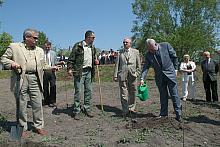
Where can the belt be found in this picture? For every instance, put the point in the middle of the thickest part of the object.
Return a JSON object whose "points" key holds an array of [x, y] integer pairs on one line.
{"points": [[87, 69], [30, 72]]}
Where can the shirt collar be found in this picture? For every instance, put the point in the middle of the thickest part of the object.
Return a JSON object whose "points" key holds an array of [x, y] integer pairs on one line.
{"points": [[85, 44], [127, 49]]}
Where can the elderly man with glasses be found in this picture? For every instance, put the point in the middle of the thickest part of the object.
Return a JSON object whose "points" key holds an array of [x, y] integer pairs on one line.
{"points": [[127, 69], [26, 61]]}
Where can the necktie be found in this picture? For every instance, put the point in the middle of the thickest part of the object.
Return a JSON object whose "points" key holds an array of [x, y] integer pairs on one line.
{"points": [[126, 55], [47, 59], [157, 58], [207, 64]]}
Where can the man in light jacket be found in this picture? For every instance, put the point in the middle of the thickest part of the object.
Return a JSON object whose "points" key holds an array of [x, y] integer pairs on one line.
{"points": [[26, 61], [127, 69]]}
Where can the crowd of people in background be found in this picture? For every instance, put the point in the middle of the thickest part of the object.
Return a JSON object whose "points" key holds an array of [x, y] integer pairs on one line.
{"points": [[107, 57]]}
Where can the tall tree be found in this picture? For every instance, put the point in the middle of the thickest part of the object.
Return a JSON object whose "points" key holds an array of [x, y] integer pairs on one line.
{"points": [[5, 40], [189, 25]]}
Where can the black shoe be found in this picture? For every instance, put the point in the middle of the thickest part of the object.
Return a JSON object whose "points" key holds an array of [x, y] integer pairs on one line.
{"points": [[76, 116], [44, 103], [52, 105], [89, 114], [125, 115], [162, 117], [179, 119]]}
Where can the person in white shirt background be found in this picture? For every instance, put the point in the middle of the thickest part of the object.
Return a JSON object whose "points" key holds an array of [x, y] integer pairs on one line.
{"points": [[187, 68]]}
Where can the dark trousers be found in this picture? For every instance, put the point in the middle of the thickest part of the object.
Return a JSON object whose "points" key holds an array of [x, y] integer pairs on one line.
{"points": [[49, 85], [163, 87], [210, 89]]}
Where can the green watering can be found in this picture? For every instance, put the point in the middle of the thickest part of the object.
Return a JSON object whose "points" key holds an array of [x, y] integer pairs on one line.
{"points": [[143, 92]]}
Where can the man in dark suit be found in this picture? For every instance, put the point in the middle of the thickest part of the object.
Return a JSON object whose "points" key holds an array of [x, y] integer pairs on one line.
{"points": [[210, 69], [49, 77], [162, 57]]}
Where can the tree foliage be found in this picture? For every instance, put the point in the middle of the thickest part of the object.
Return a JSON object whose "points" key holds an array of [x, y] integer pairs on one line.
{"points": [[5, 40], [189, 25], [1, 2], [42, 38]]}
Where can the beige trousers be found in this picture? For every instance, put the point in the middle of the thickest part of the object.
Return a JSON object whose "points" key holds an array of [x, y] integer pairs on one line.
{"points": [[128, 94], [30, 88]]}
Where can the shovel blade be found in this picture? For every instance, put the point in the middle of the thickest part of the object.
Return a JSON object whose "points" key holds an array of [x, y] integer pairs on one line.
{"points": [[15, 133]]}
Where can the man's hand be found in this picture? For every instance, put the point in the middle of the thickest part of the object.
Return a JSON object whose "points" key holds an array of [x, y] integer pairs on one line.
{"points": [[115, 79], [14, 65], [70, 72], [141, 82], [176, 72], [61, 63], [55, 68], [96, 62]]}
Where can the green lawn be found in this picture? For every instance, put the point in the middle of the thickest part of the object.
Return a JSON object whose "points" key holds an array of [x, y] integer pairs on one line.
{"points": [[5, 74], [105, 73]]}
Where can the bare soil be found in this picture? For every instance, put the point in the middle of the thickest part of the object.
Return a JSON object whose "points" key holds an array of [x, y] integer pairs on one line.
{"points": [[200, 126]]}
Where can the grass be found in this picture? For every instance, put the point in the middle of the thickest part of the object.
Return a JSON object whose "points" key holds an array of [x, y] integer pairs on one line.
{"points": [[5, 74], [53, 140], [105, 73]]}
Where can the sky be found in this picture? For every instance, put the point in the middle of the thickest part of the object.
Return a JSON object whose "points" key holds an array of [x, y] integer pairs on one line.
{"points": [[65, 21]]}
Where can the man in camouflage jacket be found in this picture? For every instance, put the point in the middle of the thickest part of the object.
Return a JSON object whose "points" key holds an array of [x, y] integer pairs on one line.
{"points": [[81, 65]]}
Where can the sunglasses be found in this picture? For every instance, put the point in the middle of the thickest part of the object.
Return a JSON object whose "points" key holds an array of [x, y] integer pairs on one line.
{"points": [[35, 38], [91, 37], [125, 42]]}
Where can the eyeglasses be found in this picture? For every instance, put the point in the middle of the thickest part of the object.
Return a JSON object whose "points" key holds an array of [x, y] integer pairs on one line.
{"points": [[125, 42], [91, 37], [36, 38]]}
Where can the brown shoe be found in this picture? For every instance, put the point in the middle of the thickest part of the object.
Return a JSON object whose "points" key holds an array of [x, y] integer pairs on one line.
{"points": [[25, 134], [41, 132]]}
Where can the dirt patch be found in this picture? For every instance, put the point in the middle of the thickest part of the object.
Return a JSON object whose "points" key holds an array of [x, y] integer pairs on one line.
{"points": [[200, 127]]}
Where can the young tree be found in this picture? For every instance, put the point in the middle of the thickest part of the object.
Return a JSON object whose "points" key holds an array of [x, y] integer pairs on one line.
{"points": [[5, 40], [189, 25]]}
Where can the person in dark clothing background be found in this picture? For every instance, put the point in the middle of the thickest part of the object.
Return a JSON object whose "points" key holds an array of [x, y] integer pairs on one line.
{"points": [[210, 69]]}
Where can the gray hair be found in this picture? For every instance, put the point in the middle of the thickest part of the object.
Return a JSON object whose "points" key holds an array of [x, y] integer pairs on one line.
{"points": [[186, 56], [128, 38], [29, 32], [150, 41]]}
